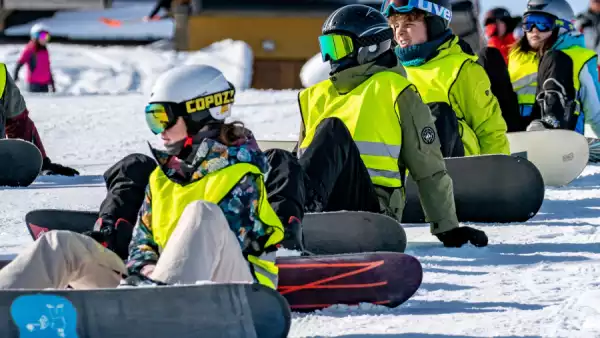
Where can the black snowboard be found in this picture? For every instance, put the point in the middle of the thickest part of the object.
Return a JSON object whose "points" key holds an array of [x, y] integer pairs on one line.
{"points": [[20, 163], [325, 233], [488, 189], [211, 310]]}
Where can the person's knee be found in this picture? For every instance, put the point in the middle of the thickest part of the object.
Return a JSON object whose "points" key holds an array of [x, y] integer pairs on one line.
{"points": [[335, 127], [206, 214], [136, 167], [58, 238], [276, 156]]}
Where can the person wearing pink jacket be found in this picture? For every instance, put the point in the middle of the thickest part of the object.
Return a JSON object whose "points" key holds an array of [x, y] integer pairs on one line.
{"points": [[35, 55]]}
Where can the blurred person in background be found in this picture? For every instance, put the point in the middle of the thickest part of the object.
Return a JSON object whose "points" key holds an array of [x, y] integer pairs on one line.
{"points": [[39, 77]]}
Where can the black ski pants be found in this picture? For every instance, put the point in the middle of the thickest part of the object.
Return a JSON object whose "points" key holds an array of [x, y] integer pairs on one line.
{"points": [[329, 172]]}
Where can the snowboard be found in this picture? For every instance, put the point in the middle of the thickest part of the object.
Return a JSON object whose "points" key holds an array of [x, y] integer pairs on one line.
{"points": [[308, 282], [487, 189], [594, 146], [20, 163], [560, 155], [223, 310], [324, 233]]}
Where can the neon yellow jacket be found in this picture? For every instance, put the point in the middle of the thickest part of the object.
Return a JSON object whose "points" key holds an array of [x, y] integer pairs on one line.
{"points": [[481, 125]]}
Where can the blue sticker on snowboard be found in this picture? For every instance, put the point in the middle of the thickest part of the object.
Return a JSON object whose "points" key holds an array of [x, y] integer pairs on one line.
{"points": [[46, 316]]}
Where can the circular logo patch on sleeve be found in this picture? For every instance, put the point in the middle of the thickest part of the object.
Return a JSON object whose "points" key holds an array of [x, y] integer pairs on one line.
{"points": [[428, 135]]}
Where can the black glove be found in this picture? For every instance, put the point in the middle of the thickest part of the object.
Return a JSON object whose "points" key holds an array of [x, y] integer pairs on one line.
{"points": [[139, 280], [294, 238], [458, 237], [49, 168], [115, 236]]}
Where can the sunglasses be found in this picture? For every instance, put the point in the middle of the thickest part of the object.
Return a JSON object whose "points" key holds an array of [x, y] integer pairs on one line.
{"points": [[43, 36], [388, 7]]}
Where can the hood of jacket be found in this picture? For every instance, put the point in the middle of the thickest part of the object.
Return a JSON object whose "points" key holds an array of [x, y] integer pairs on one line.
{"points": [[568, 40], [348, 79], [207, 155], [452, 46]]}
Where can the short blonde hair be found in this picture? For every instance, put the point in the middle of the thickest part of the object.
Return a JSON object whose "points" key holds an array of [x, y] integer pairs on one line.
{"points": [[406, 17]]}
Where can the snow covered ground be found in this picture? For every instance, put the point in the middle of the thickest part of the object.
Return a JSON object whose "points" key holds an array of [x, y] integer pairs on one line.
{"points": [[535, 279]]}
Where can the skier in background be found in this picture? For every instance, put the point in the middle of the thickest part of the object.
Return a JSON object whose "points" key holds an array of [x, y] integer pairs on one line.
{"points": [[446, 73], [554, 76], [204, 214], [499, 26], [588, 23], [15, 123], [35, 56], [168, 6]]}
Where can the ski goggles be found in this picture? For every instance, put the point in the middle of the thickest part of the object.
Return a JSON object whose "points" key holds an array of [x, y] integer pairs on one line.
{"points": [[545, 23], [335, 46], [42, 36], [388, 7], [161, 116]]}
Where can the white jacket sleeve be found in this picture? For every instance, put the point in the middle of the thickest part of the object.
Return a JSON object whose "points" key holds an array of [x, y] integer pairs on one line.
{"points": [[590, 95]]}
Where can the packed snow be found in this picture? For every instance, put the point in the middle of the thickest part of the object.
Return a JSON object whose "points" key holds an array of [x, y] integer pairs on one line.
{"points": [[536, 279]]}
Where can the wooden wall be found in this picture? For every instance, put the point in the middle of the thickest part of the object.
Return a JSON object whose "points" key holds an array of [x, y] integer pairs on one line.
{"points": [[281, 42]]}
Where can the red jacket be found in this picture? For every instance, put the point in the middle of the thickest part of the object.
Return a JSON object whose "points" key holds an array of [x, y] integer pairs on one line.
{"points": [[503, 44]]}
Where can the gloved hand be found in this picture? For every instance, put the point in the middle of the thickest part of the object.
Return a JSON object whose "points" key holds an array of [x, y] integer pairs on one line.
{"points": [[458, 237], [139, 280], [293, 239], [49, 168], [115, 236]]}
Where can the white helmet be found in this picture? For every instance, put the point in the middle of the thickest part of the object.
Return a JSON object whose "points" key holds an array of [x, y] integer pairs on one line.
{"points": [[198, 93], [37, 28], [560, 9]]}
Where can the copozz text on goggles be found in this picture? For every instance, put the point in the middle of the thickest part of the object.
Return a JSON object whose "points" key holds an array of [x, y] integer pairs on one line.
{"points": [[161, 116]]}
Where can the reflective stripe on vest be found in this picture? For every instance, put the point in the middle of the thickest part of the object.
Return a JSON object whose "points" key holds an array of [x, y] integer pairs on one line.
{"points": [[523, 67], [370, 113], [169, 199]]}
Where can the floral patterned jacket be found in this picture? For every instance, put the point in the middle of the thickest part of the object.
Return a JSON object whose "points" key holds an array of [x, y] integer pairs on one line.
{"points": [[239, 205]]}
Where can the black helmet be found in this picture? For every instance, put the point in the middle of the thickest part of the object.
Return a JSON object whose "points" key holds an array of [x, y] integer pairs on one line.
{"points": [[354, 35], [438, 13], [497, 13]]}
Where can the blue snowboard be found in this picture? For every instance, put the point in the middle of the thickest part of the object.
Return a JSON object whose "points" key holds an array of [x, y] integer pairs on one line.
{"points": [[211, 310]]}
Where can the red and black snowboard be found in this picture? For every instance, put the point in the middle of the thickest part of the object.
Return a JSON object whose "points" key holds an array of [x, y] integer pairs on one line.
{"points": [[309, 282]]}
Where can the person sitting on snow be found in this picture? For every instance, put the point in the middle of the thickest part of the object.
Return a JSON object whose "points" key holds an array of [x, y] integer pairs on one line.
{"points": [[448, 77], [364, 127], [206, 197], [15, 123], [554, 75]]}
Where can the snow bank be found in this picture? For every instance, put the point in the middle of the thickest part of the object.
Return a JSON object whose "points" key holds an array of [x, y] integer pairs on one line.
{"points": [[87, 70], [314, 71], [86, 24], [233, 58]]}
